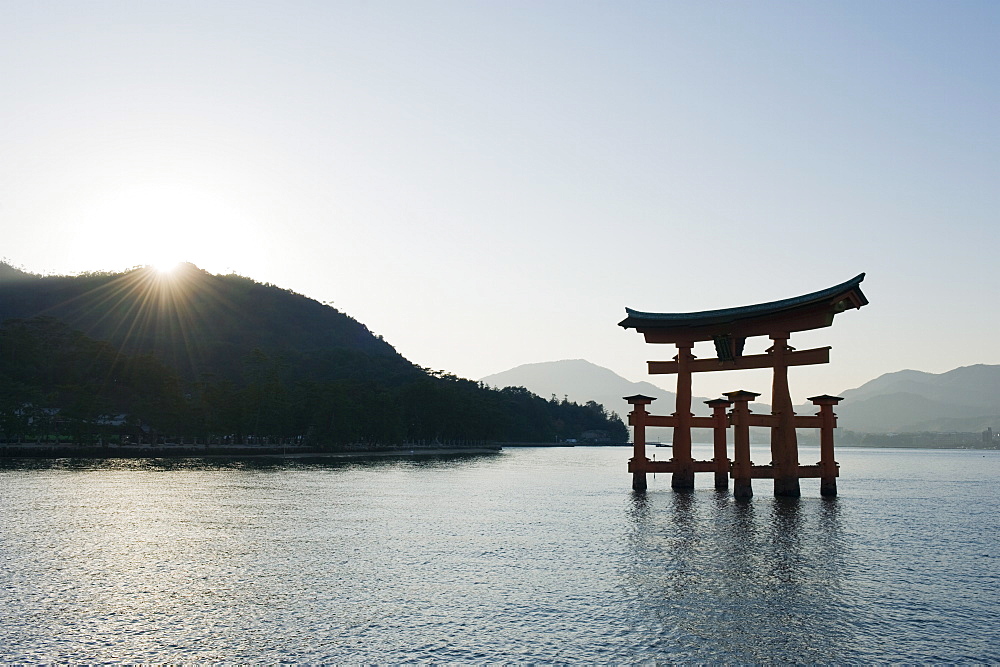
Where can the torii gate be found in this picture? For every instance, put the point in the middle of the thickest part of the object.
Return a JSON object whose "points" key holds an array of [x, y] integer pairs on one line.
{"points": [[729, 328]]}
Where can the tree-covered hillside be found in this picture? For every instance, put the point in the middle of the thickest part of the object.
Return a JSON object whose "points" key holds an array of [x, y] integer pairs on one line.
{"points": [[192, 354], [200, 323]]}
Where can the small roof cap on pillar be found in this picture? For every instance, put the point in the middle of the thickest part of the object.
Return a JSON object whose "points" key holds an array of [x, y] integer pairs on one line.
{"points": [[639, 399], [741, 395], [825, 399], [718, 402]]}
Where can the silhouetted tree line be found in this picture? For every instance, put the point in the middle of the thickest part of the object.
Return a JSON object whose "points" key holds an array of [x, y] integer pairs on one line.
{"points": [[55, 380]]}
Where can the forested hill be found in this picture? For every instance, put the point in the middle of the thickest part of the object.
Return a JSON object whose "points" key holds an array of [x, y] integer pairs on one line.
{"points": [[199, 323], [195, 354]]}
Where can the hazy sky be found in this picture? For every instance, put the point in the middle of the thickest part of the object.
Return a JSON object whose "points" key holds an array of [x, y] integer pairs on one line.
{"points": [[488, 184]]}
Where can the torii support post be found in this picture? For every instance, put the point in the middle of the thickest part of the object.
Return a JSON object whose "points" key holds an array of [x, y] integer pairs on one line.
{"points": [[827, 464], [637, 418], [742, 467], [784, 445], [720, 457], [683, 477]]}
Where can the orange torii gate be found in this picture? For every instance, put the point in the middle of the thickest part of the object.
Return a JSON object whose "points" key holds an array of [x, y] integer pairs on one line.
{"points": [[729, 329]]}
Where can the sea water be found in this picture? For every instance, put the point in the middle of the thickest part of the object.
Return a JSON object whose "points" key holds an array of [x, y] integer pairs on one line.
{"points": [[530, 555]]}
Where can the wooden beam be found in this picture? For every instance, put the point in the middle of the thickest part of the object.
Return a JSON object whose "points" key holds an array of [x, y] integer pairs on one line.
{"points": [[670, 466], [815, 471], [762, 420], [756, 472], [767, 472], [671, 420], [818, 355], [801, 421], [661, 420]]}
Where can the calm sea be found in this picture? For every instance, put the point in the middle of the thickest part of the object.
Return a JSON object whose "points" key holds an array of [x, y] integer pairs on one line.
{"points": [[530, 555]]}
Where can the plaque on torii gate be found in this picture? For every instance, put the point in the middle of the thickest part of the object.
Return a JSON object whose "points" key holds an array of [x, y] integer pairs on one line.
{"points": [[728, 329]]}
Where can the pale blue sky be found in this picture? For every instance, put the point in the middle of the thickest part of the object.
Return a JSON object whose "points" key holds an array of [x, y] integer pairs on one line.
{"points": [[487, 184]]}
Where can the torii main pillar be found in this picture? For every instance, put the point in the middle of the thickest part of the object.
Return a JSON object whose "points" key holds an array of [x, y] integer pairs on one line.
{"points": [[683, 476], [784, 444]]}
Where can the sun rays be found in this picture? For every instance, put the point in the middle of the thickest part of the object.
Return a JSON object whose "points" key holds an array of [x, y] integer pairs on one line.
{"points": [[174, 306]]}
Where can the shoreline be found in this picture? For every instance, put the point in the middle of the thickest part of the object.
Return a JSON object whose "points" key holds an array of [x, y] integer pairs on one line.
{"points": [[50, 452], [34, 451]]}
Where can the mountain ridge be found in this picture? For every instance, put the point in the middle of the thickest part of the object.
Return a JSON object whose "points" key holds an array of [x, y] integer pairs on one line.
{"points": [[961, 399], [578, 380]]}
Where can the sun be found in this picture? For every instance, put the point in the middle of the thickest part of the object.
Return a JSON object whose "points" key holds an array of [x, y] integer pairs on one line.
{"points": [[166, 267], [162, 226]]}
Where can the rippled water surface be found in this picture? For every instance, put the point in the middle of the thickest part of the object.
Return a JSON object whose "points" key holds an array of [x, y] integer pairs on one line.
{"points": [[531, 555]]}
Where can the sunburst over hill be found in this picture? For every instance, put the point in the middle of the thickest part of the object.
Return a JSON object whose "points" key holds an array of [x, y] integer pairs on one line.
{"points": [[188, 352], [198, 322]]}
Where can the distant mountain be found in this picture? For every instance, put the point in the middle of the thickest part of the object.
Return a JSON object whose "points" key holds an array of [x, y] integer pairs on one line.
{"points": [[900, 412], [963, 399], [579, 381], [977, 385]]}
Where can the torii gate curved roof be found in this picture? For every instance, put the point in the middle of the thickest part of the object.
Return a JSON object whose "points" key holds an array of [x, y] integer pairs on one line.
{"points": [[800, 313]]}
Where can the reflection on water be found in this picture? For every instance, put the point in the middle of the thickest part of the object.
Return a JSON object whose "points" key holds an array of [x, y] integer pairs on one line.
{"points": [[532, 555], [757, 581]]}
